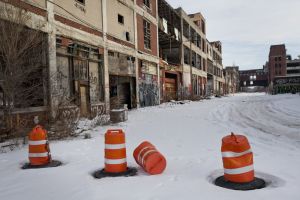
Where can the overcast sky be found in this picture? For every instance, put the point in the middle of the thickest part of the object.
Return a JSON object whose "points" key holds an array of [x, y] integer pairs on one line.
{"points": [[247, 28]]}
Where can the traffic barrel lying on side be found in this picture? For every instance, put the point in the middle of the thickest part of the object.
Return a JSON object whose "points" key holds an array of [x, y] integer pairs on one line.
{"points": [[39, 152], [151, 160], [115, 151], [237, 159]]}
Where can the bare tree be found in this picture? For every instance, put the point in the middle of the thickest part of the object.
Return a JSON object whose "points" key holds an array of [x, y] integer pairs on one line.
{"points": [[22, 63]]}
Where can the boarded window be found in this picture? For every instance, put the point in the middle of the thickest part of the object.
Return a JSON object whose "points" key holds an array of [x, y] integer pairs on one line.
{"points": [[63, 75], [81, 70], [94, 82]]}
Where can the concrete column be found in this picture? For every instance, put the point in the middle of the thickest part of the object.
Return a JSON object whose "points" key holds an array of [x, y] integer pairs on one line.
{"points": [[105, 57], [53, 70], [182, 60], [136, 64], [158, 70]]}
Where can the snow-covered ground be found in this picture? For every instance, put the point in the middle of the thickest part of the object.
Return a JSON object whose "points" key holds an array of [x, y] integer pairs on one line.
{"points": [[189, 136]]}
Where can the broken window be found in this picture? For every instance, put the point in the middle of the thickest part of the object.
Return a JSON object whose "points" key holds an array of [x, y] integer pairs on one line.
{"points": [[198, 43], [186, 30], [204, 64], [147, 35], [193, 36], [186, 55], [193, 59], [198, 61], [195, 84], [85, 68], [120, 19], [147, 3], [81, 1]]}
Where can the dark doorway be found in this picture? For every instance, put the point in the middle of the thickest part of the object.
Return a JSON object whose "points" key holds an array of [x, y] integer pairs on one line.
{"points": [[122, 91]]}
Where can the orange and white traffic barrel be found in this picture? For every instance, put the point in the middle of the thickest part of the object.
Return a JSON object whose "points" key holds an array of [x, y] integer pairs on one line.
{"points": [[39, 152], [149, 158], [115, 151], [237, 159]]}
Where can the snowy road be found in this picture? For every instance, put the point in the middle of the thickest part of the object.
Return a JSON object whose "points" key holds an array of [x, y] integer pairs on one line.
{"points": [[189, 136]]}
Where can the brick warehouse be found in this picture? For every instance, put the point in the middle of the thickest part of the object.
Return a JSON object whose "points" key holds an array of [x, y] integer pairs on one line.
{"points": [[104, 54]]}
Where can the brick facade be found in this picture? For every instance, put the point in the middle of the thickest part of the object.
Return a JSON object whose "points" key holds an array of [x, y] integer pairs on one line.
{"points": [[77, 25], [151, 10], [277, 61], [140, 33]]}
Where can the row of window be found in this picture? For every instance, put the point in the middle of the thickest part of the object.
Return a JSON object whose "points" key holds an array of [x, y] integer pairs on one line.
{"points": [[193, 36], [196, 60], [278, 58], [146, 2]]}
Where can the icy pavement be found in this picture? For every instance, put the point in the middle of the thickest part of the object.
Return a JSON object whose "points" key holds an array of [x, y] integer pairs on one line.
{"points": [[189, 136]]}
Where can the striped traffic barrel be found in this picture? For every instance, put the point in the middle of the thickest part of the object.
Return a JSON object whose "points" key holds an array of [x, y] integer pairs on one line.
{"points": [[237, 159], [149, 158], [115, 151], [39, 152]]}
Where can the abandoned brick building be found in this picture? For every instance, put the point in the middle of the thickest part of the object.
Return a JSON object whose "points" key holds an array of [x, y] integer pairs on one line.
{"points": [[100, 55]]}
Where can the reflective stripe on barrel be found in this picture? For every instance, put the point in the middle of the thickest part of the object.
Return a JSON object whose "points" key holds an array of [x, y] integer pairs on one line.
{"points": [[115, 151], [147, 156], [237, 159], [38, 146]]}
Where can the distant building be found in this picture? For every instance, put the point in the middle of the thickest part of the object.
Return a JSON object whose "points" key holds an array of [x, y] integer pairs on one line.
{"points": [[256, 79], [292, 66], [283, 71], [290, 82], [277, 61]]}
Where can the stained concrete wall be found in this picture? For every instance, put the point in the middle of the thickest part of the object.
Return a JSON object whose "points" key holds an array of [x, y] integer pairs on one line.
{"points": [[116, 29], [88, 13]]}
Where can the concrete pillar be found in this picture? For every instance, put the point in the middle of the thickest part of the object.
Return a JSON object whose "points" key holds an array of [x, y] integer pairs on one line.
{"points": [[53, 70], [136, 64], [182, 60], [105, 57], [158, 69]]}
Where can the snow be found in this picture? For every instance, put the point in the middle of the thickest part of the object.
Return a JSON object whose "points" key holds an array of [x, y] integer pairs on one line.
{"points": [[189, 136]]}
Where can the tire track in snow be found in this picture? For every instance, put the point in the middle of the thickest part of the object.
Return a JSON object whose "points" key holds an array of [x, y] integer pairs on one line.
{"points": [[262, 113]]}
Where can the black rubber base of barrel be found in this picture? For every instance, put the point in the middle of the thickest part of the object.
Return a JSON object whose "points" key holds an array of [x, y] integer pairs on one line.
{"points": [[257, 183], [102, 173], [53, 163]]}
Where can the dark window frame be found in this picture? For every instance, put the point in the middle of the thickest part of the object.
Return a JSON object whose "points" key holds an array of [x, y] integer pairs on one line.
{"points": [[147, 34], [147, 3], [81, 1], [121, 19]]}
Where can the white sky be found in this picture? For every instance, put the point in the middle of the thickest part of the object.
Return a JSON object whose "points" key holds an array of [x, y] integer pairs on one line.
{"points": [[248, 28]]}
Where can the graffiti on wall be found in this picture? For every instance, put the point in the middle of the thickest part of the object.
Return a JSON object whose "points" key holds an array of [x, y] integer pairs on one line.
{"points": [[148, 91], [287, 80]]}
